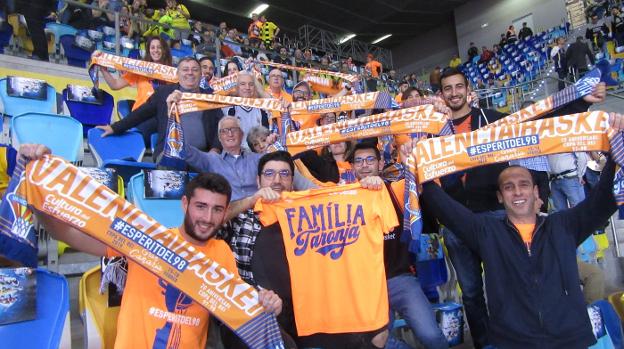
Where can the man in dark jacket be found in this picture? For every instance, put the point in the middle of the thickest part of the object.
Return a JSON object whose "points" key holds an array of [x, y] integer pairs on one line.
{"points": [[476, 190], [200, 128], [575, 57], [532, 279], [525, 32], [35, 13]]}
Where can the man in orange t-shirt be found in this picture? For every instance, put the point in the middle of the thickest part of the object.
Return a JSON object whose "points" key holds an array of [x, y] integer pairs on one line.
{"points": [[155, 314], [254, 30], [276, 85], [374, 69]]}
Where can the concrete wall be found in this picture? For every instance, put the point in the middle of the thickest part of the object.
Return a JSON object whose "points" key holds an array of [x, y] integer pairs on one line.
{"points": [[499, 15], [435, 47]]}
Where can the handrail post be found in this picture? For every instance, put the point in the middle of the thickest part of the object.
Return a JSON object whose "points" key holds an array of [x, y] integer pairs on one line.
{"points": [[117, 34], [217, 62]]}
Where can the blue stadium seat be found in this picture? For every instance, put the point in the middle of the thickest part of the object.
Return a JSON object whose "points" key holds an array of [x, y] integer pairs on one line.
{"points": [[120, 152], [62, 134], [6, 32], [166, 212], [50, 329], [75, 55], [15, 105], [91, 114], [124, 107], [59, 30]]}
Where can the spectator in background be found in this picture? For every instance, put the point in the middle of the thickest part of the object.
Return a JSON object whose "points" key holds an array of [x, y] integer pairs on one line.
{"points": [[207, 71], [209, 42], [373, 70], [101, 18], [486, 55], [455, 61], [157, 52], [576, 57], [35, 14], [617, 26], [503, 40], [411, 93], [223, 31], [276, 85], [558, 55], [231, 41], [196, 35], [525, 32], [473, 52], [283, 57], [597, 33], [254, 30], [248, 116], [232, 67], [403, 86], [434, 79], [268, 32], [256, 139], [176, 16], [511, 35], [351, 65]]}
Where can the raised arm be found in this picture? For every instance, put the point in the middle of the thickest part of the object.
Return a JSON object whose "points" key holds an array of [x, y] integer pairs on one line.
{"points": [[57, 228]]}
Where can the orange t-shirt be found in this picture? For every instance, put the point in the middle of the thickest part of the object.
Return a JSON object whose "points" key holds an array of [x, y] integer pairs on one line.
{"points": [[334, 245], [398, 98], [254, 29], [282, 94], [464, 126], [156, 315], [526, 233], [374, 67], [345, 172], [143, 85], [306, 120]]}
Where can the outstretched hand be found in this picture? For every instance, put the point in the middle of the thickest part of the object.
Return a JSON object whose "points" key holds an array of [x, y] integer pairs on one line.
{"points": [[33, 151]]}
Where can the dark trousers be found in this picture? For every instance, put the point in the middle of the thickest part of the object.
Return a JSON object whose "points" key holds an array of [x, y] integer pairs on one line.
{"points": [[36, 26], [563, 74]]}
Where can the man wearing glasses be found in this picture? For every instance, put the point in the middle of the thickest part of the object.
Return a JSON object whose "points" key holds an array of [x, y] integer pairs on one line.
{"points": [[276, 85], [238, 165], [404, 292]]}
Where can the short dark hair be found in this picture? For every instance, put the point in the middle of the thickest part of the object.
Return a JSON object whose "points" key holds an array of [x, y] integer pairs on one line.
{"points": [[213, 182], [407, 92], [448, 72], [498, 180], [365, 145], [205, 58], [279, 155], [189, 59]]}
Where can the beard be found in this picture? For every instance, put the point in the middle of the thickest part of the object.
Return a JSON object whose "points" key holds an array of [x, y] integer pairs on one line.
{"points": [[189, 228]]}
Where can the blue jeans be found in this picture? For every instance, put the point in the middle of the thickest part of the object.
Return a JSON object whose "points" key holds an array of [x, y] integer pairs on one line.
{"points": [[467, 264], [408, 299], [566, 192]]}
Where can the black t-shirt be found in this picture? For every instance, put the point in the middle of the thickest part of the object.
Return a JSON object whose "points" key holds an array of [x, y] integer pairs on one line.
{"points": [[396, 255]]}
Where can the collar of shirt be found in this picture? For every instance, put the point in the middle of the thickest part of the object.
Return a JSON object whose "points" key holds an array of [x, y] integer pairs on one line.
{"points": [[224, 154]]}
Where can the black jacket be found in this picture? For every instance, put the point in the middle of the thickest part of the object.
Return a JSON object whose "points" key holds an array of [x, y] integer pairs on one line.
{"points": [[478, 191], [576, 53], [534, 301], [156, 107]]}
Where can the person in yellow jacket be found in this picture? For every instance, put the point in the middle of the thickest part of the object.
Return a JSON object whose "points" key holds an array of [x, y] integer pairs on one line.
{"points": [[174, 21]]}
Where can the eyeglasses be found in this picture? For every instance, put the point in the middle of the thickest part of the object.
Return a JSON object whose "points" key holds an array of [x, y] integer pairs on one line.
{"points": [[369, 160], [229, 130], [300, 92], [284, 174]]}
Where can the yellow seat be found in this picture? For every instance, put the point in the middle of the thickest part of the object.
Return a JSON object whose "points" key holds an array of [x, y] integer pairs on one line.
{"points": [[617, 301], [100, 320], [21, 33]]}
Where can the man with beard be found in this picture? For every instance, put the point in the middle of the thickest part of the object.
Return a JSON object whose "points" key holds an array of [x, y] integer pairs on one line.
{"points": [[155, 314], [207, 73]]}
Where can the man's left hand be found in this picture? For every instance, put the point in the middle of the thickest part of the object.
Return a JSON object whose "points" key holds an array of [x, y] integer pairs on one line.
{"points": [[372, 182], [271, 302], [598, 95], [616, 121]]}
